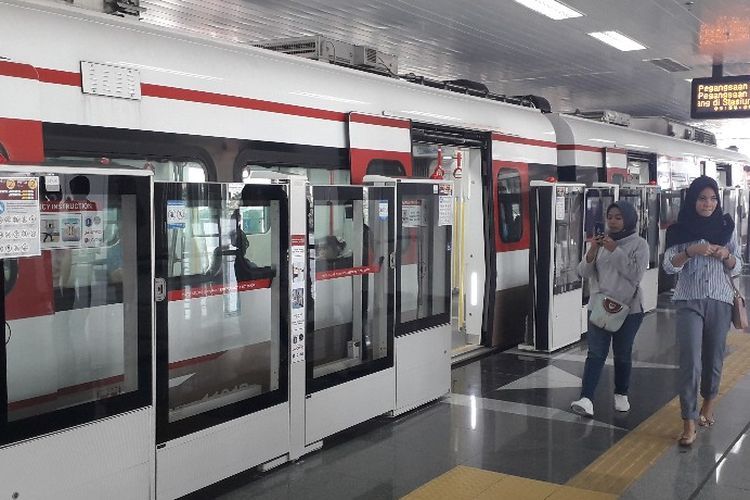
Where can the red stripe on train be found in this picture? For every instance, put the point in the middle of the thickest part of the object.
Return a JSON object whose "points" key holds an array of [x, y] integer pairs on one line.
{"points": [[579, 147], [64, 391], [196, 360], [151, 90], [211, 290], [523, 140], [379, 120], [343, 273]]}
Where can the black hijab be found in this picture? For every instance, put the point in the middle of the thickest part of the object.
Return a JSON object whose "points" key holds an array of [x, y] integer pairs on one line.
{"points": [[629, 219], [717, 228]]}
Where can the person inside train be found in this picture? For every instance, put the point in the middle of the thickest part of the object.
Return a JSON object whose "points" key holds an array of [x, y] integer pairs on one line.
{"points": [[243, 266], [614, 265], [330, 248], [702, 250]]}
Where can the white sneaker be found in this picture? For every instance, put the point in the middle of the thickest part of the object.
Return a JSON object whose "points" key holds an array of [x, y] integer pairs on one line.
{"points": [[583, 406], [621, 402]]}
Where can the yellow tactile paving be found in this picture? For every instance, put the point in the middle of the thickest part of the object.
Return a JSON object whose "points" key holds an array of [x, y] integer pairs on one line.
{"points": [[608, 476], [630, 457], [469, 483], [519, 488]]}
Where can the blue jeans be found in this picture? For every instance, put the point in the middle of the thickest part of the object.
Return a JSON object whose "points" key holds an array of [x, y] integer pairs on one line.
{"points": [[622, 346]]}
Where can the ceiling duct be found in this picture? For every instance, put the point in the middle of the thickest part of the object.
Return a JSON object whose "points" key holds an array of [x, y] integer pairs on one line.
{"points": [[669, 65]]}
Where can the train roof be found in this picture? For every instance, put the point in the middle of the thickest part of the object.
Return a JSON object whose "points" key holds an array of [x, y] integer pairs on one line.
{"points": [[578, 131], [167, 58]]}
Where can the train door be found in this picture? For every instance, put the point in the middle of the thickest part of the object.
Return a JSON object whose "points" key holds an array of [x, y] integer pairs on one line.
{"points": [[463, 157], [76, 399], [349, 342], [556, 250], [596, 201], [645, 198], [222, 331]]}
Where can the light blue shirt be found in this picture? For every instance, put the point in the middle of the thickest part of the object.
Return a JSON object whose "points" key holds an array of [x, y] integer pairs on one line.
{"points": [[703, 277]]}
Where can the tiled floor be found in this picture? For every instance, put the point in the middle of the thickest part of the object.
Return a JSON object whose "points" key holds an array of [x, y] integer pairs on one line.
{"points": [[509, 414]]}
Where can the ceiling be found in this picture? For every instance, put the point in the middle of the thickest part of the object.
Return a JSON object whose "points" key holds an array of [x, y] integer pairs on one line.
{"points": [[511, 49]]}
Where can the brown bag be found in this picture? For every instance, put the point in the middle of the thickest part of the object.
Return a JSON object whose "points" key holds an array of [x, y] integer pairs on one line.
{"points": [[739, 311]]}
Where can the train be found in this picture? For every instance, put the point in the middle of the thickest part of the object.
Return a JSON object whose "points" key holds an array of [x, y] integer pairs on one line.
{"points": [[85, 88]]}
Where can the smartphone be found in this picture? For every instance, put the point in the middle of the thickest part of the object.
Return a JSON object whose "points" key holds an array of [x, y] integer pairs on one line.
{"points": [[598, 229]]}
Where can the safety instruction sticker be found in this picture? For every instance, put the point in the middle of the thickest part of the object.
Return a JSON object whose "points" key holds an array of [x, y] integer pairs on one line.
{"points": [[411, 213], [560, 204], [71, 224], [176, 214], [19, 217], [383, 210], [298, 243], [445, 205]]}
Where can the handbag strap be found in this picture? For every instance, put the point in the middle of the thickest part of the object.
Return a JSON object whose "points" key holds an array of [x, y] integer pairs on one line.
{"points": [[734, 287]]}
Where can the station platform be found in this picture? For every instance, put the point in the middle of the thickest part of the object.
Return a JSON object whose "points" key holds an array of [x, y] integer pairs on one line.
{"points": [[506, 431]]}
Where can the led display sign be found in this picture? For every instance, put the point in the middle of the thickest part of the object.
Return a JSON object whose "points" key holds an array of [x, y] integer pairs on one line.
{"points": [[724, 97]]}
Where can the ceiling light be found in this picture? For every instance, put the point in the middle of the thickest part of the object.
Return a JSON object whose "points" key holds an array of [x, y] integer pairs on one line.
{"points": [[617, 40], [551, 8]]}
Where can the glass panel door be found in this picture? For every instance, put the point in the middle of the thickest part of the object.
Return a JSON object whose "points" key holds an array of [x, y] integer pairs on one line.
{"points": [[77, 318], [221, 331], [350, 316], [568, 238], [424, 256]]}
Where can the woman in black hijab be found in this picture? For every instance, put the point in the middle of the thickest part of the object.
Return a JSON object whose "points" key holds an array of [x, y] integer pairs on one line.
{"points": [[702, 249]]}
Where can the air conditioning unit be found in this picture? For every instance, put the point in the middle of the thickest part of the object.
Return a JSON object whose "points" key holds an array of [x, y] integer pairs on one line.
{"points": [[120, 8], [607, 116], [673, 128], [373, 58], [315, 47], [322, 48]]}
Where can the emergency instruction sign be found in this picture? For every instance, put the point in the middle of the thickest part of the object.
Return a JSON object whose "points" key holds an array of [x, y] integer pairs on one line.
{"points": [[19, 217], [71, 224]]}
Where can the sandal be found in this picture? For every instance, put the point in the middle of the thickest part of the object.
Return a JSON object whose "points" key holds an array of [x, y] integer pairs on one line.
{"points": [[688, 440], [705, 421]]}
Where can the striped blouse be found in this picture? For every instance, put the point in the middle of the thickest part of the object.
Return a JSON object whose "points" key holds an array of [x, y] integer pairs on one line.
{"points": [[703, 277]]}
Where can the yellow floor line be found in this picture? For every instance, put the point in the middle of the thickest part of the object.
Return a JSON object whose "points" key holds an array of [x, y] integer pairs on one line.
{"points": [[470, 483], [615, 470]]}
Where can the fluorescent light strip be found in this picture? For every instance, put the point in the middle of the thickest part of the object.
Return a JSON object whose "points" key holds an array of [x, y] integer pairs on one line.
{"points": [[617, 40], [550, 8]]}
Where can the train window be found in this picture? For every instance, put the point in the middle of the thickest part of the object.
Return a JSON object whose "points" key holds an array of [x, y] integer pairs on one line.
{"points": [[167, 170], [78, 313], [509, 205], [390, 168], [10, 273], [597, 202], [315, 175], [671, 200], [618, 179]]}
